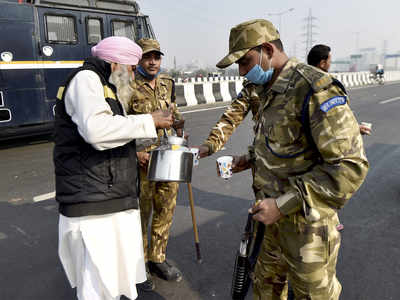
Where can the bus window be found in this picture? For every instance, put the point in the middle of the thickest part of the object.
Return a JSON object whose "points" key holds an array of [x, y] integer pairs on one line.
{"points": [[60, 29], [123, 28], [5, 115], [94, 29]]}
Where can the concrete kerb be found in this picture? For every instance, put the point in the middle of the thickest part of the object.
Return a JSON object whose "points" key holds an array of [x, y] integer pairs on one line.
{"points": [[225, 89], [224, 86], [208, 94]]}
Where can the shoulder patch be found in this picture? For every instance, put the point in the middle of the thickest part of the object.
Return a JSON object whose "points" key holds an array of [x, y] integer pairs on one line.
{"points": [[332, 102]]}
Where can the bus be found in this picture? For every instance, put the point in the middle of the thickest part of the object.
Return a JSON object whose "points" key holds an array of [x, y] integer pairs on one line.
{"points": [[41, 42]]}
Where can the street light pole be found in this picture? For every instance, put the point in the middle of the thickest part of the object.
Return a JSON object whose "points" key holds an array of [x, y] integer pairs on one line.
{"points": [[280, 14]]}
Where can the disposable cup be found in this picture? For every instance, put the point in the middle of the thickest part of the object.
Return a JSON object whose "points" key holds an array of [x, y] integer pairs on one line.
{"points": [[369, 125], [195, 152], [225, 166]]}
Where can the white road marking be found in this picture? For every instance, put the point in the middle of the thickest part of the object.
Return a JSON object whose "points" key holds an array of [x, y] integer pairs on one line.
{"points": [[203, 109], [390, 100], [44, 197]]}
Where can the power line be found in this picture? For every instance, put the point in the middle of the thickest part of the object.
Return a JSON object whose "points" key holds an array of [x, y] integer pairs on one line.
{"points": [[309, 32]]}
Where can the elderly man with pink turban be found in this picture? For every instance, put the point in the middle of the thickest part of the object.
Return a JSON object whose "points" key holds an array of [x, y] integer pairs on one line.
{"points": [[96, 174]]}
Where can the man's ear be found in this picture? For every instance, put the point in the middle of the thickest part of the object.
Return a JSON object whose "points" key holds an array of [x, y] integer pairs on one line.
{"points": [[268, 49], [322, 64]]}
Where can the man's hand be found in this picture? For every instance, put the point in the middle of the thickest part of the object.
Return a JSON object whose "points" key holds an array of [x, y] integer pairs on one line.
{"points": [[203, 151], [178, 124], [266, 211], [162, 118], [240, 163], [143, 159], [365, 130]]}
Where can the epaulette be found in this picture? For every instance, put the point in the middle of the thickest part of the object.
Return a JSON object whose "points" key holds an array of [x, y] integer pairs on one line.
{"points": [[318, 79], [165, 76]]}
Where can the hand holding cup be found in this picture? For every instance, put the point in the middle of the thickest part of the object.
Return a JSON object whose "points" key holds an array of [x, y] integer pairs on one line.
{"points": [[365, 128], [224, 166]]}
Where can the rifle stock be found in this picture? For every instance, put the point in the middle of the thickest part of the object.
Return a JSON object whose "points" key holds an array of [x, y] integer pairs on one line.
{"points": [[246, 258]]}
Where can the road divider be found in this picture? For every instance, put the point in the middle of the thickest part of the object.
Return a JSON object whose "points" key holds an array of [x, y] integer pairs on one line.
{"points": [[195, 91]]}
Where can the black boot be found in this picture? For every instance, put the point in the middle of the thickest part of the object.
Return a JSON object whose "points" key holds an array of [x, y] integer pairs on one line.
{"points": [[165, 271], [148, 285]]}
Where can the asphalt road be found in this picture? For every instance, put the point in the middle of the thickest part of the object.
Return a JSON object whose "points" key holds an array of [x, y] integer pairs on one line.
{"points": [[368, 267]]}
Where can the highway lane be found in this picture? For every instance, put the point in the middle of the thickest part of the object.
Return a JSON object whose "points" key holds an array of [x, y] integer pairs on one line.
{"points": [[368, 265]]}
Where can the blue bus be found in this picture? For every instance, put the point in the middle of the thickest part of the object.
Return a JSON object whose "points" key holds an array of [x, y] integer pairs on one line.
{"points": [[41, 42]]}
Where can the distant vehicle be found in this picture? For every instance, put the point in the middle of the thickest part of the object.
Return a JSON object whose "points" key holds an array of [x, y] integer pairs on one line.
{"points": [[41, 42], [377, 73], [214, 74]]}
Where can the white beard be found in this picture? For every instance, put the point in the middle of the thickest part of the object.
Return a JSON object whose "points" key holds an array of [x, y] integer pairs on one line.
{"points": [[121, 78]]}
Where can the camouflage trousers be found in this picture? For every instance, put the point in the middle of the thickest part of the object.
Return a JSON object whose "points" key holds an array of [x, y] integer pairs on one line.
{"points": [[157, 199], [304, 254]]}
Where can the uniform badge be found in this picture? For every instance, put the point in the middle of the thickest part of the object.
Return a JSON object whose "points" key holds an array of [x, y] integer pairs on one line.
{"points": [[332, 102]]}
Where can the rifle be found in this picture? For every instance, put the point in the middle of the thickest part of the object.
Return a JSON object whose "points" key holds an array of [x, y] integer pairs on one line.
{"points": [[246, 258]]}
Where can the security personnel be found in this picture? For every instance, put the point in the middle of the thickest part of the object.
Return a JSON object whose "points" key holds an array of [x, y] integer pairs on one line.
{"points": [[320, 57], [308, 159], [152, 91]]}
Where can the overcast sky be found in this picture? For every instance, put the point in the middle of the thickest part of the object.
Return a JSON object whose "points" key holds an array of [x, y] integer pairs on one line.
{"points": [[199, 29]]}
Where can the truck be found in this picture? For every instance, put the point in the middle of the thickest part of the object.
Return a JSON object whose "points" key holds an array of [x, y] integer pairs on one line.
{"points": [[41, 42]]}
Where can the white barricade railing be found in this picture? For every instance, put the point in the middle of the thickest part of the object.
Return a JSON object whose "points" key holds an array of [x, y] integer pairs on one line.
{"points": [[349, 79], [208, 94], [188, 89], [226, 97]]}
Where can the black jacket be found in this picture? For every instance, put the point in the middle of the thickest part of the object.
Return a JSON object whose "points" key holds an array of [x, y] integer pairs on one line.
{"points": [[89, 181]]}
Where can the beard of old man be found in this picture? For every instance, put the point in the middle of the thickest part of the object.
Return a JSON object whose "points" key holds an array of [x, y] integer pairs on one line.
{"points": [[122, 78]]}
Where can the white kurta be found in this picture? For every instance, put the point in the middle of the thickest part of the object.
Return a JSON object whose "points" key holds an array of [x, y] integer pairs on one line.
{"points": [[102, 255], [109, 247]]}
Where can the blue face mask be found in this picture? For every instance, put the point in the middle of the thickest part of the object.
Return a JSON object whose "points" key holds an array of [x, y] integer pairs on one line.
{"points": [[257, 75], [145, 74]]}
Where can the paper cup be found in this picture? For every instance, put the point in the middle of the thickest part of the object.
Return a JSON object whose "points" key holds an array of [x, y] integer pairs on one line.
{"points": [[225, 166], [195, 152], [369, 125]]}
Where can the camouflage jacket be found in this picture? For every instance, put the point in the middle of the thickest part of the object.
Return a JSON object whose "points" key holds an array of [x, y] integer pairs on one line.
{"points": [[146, 100], [319, 178], [246, 100]]}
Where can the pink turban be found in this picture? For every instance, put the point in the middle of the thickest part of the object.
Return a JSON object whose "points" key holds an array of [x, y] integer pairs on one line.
{"points": [[118, 49]]}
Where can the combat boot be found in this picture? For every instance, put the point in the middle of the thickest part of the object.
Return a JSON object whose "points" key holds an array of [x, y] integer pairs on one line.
{"points": [[148, 285], [165, 271]]}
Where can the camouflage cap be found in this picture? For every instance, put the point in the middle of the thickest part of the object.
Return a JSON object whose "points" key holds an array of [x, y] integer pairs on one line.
{"points": [[149, 45], [245, 36]]}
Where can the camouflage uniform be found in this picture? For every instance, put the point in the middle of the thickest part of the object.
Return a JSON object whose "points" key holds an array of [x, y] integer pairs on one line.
{"points": [[158, 198], [310, 177], [247, 100]]}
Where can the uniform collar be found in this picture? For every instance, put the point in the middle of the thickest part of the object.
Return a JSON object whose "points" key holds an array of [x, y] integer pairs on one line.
{"points": [[282, 82], [141, 80]]}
